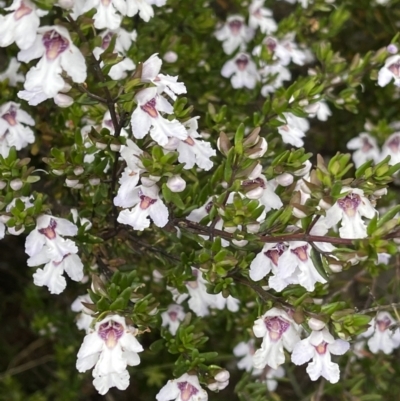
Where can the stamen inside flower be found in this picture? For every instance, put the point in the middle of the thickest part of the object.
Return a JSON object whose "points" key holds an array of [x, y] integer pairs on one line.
{"points": [[275, 253], [366, 145], [187, 390], [242, 62], [270, 44], [383, 324], [349, 204], [235, 26], [150, 108], [55, 44], [50, 231], [105, 3], [394, 144], [189, 140], [111, 332], [22, 10], [395, 69], [10, 116], [301, 252], [146, 201], [173, 315], [321, 348], [106, 40], [276, 327]]}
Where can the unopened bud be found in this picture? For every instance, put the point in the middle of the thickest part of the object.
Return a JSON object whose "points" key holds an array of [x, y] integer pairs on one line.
{"points": [[392, 49], [324, 205], [256, 172], [253, 228], [16, 184], [240, 243], [298, 213], [213, 386], [57, 172], [335, 268], [16, 230], [176, 183], [222, 376], [101, 145], [316, 324], [230, 230], [63, 100], [78, 170], [94, 181], [312, 108], [255, 193], [170, 57], [115, 147], [3, 184], [66, 4], [284, 179], [262, 147], [71, 183]]}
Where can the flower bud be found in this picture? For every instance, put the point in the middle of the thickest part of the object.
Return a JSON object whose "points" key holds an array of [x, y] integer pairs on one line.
{"points": [[213, 386], [303, 171], [255, 193], [57, 172], [16, 184], [253, 228], [336, 268], [16, 230], [3, 184], [115, 147], [63, 100], [298, 213], [94, 181], [230, 230], [101, 145], [78, 170], [240, 243], [170, 57], [71, 183], [392, 49], [176, 183], [284, 179], [222, 376], [4, 218], [256, 172], [316, 324], [312, 108], [66, 4], [262, 147]]}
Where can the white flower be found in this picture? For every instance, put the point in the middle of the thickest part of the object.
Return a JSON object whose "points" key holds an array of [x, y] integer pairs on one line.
{"points": [[383, 338], [47, 238], [146, 203], [192, 150], [221, 381], [51, 275], [110, 348], [349, 210], [172, 318], [261, 17], [131, 174], [242, 70], [164, 83], [294, 130], [278, 331], [246, 350], [143, 7], [234, 34], [273, 75], [147, 115], [319, 109], [319, 346], [391, 148], [11, 73], [53, 44], [296, 267], [13, 129], [122, 45], [185, 388], [285, 50], [391, 70], [20, 25], [266, 261], [271, 375], [365, 147], [84, 319]]}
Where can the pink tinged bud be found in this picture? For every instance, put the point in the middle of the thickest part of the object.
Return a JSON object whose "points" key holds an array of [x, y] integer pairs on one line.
{"points": [[176, 183], [55, 44], [349, 204], [2, 184], [22, 11], [316, 324], [321, 348], [392, 49], [276, 327], [150, 108], [110, 333], [63, 100], [383, 324], [235, 26], [301, 252], [187, 390], [16, 184], [284, 179], [242, 61], [50, 230]]}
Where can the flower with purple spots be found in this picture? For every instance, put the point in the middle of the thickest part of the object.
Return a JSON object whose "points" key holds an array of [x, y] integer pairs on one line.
{"points": [[172, 318], [278, 331], [109, 348], [242, 71], [390, 71], [185, 388], [44, 81]]}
